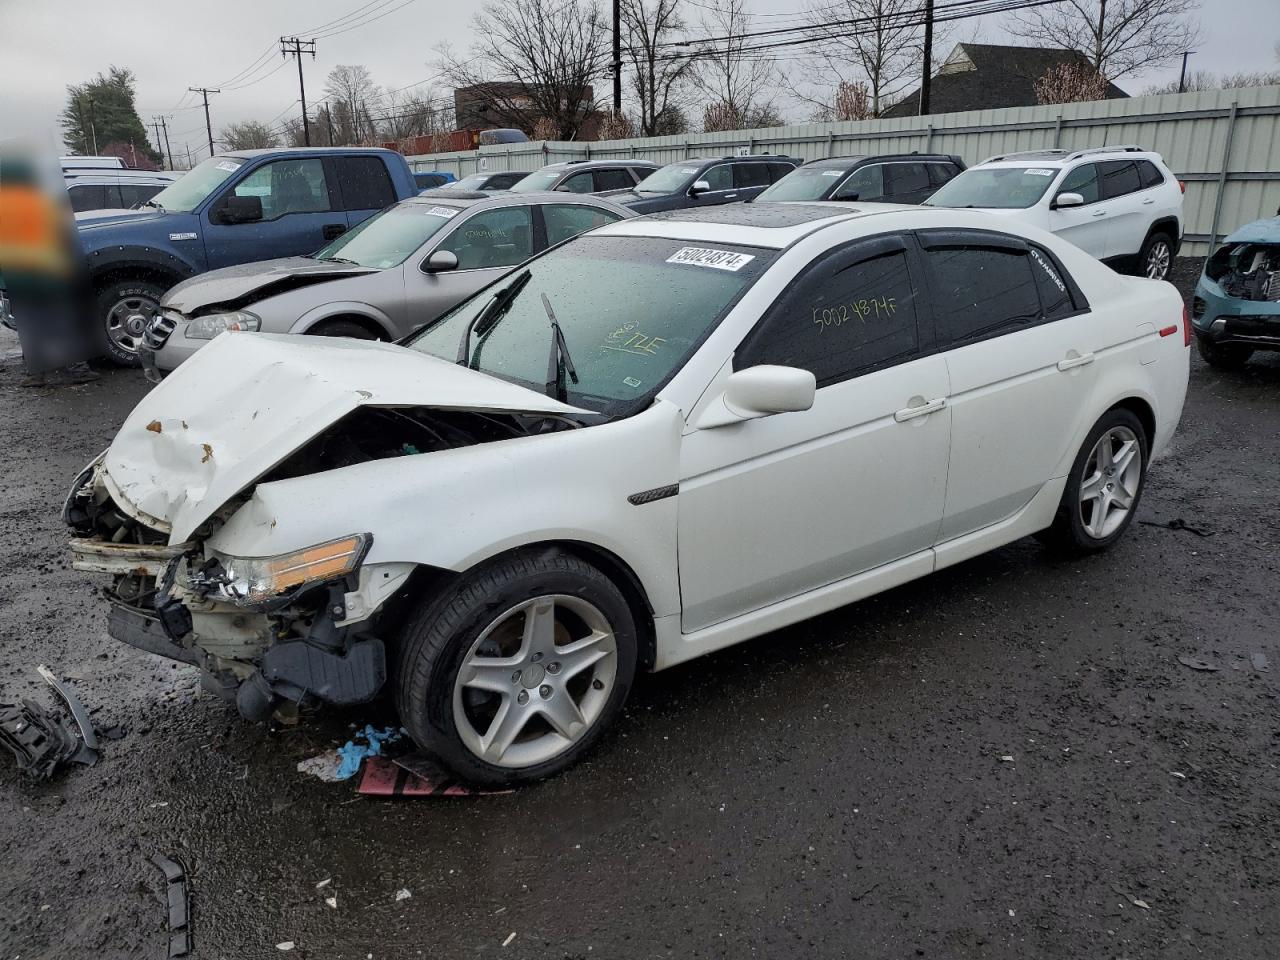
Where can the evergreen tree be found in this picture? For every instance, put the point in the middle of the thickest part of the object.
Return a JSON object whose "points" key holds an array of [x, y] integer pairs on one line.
{"points": [[101, 113]]}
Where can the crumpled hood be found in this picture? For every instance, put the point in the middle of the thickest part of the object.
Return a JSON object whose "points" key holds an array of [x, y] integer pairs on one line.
{"points": [[246, 283], [247, 401], [1260, 231]]}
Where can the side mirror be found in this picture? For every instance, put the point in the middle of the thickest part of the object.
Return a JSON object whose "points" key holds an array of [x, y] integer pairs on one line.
{"points": [[240, 209], [440, 261], [700, 186], [1068, 200], [760, 392]]}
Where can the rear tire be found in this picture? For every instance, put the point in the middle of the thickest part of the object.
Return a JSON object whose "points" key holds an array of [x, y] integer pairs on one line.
{"points": [[124, 308], [1155, 261], [1104, 486], [517, 670], [1225, 356], [343, 328]]}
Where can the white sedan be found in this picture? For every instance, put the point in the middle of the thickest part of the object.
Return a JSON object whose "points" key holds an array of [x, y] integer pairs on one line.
{"points": [[659, 439]]}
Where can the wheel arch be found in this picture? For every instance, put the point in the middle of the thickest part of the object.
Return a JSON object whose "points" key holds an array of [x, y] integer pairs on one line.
{"points": [[164, 275], [1168, 226], [1141, 409], [372, 319]]}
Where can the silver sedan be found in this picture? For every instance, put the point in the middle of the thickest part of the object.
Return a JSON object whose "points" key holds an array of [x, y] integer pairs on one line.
{"points": [[398, 270]]}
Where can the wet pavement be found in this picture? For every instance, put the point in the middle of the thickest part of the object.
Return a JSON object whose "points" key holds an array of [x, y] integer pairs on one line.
{"points": [[1006, 759]]}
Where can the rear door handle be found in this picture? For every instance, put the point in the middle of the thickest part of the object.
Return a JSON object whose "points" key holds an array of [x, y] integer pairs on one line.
{"points": [[1079, 360], [1148, 201], [331, 231], [923, 409]]}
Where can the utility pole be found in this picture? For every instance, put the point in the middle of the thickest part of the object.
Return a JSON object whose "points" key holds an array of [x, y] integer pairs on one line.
{"points": [[190, 164], [167, 149], [296, 47], [617, 57], [927, 76], [93, 129], [208, 127], [162, 143], [1182, 80]]}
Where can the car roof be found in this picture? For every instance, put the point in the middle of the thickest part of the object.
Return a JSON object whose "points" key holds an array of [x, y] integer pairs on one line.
{"points": [[1059, 157], [592, 164], [466, 199], [251, 154], [757, 225]]}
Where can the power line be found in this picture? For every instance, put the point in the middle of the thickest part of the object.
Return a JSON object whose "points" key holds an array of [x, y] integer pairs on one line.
{"points": [[362, 23]]}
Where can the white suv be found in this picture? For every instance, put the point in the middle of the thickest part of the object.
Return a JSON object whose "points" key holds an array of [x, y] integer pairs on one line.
{"points": [[1121, 204]]}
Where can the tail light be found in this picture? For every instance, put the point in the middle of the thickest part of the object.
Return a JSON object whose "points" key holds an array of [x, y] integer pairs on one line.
{"points": [[1182, 185]]}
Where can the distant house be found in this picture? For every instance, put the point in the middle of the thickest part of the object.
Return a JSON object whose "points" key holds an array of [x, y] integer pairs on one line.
{"points": [[504, 104], [987, 76]]}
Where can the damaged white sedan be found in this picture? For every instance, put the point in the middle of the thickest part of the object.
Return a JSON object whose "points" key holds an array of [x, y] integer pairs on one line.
{"points": [[656, 440]]}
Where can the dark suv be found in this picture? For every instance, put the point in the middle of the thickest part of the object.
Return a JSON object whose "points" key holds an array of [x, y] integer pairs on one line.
{"points": [[892, 178], [707, 181], [586, 176]]}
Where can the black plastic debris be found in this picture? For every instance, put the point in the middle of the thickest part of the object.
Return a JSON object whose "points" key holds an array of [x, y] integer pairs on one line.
{"points": [[41, 738], [175, 876], [1195, 663], [1177, 523]]}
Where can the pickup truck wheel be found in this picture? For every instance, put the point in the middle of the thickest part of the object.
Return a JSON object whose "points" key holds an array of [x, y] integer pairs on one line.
{"points": [[518, 669], [1104, 486], [343, 328], [1228, 356], [126, 307]]}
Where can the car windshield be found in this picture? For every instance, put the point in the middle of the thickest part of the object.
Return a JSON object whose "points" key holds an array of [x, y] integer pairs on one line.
{"points": [[632, 310], [804, 183], [388, 238], [187, 193], [538, 180], [1002, 188], [668, 179], [471, 183]]}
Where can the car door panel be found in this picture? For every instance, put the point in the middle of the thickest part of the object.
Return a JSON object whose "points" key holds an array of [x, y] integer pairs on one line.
{"points": [[1087, 226], [1130, 217]]}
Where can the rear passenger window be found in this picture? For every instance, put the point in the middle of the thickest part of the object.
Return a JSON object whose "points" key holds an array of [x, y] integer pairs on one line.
{"points": [[1149, 174], [1055, 297], [1119, 177], [907, 179], [88, 196], [132, 194], [614, 179], [750, 175], [981, 292], [850, 313], [565, 220], [365, 183]]}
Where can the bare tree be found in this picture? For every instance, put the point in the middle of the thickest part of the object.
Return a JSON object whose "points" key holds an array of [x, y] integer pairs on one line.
{"points": [[852, 102], [739, 83], [1199, 80], [351, 95], [534, 59], [414, 115], [249, 135], [660, 75], [615, 126], [1120, 37], [1070, 83]]}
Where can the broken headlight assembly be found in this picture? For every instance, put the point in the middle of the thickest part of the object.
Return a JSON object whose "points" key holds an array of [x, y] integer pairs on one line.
{"points": [[255, 580], [208, 327]]}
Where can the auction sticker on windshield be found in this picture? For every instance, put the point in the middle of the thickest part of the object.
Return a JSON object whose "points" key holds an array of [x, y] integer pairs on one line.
{"points": [[228, 165], [445, 212], [707, 257], [1040, 172]]}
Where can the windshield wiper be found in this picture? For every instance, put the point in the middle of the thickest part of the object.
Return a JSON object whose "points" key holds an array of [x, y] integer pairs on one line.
{"points": [[486, 318], [559, 360], [336, 260]]}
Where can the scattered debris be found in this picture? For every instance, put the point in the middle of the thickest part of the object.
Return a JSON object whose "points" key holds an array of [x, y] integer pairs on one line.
{"points": [[324, 883], [175, 876], [344, 762], [324, 766], [1177, 524], [1259, 661], [1180, 776], [1007, 758], [332, 902], [402, 894], [511, 936], [864, 893], [413, 775], [1195, 663], [285, 946], [41, 738], [1141, 904]]}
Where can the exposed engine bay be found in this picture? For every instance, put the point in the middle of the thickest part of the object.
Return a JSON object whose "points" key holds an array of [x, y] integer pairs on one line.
{"points": [[1247, 271]]}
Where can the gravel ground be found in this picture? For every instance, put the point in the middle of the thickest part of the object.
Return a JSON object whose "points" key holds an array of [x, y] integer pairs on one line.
{"points": [[839, 788]]}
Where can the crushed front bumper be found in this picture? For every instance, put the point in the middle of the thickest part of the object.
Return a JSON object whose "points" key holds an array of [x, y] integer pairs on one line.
{"points": [[1223, 319]]}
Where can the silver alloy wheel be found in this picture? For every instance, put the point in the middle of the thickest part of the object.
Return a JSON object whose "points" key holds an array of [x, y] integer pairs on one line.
{"points": [[128, 319], [1110, 483], [1159, 258], [535, 681]]}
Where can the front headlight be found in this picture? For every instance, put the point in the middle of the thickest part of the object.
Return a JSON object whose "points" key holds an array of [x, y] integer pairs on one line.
{"points": [[255, 579], [206, 328]]}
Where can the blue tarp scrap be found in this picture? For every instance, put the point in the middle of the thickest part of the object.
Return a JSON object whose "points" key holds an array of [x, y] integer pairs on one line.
{"points": [[352, 754]]}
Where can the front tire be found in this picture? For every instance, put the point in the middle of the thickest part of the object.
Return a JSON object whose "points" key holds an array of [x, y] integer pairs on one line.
{"points": [[1156, 258], [1104, 486], [343, 328], [517, 671], [125, 308], [1228, 356]]}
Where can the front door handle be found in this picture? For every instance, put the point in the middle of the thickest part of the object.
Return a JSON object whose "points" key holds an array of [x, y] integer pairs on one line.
{"points": [[1078, 360], [730, 196], [1099, 213], [921, 409], [331, 231]]}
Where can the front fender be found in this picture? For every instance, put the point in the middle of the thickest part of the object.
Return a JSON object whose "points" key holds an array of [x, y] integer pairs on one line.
{"points": [[345, 308], [142, 259], [456, 508]]}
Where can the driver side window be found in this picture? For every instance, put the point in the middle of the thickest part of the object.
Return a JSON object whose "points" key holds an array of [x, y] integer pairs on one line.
{"points": [[865, 183], [287, 186], [719, 177], [1082, 180], [494, 238]]}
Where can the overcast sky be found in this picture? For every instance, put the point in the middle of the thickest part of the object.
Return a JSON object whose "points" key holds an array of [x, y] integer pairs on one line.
{"points": [[173, 45]]}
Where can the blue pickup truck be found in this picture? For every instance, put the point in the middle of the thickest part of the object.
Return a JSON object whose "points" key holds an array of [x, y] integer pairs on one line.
{"points": [[230, 209]]}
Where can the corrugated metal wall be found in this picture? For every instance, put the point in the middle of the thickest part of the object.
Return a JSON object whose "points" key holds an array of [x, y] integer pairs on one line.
{"points": [[1225, 144]]}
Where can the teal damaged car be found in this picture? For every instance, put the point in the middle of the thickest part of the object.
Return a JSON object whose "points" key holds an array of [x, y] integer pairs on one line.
{"points": [[1236, 309]]}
